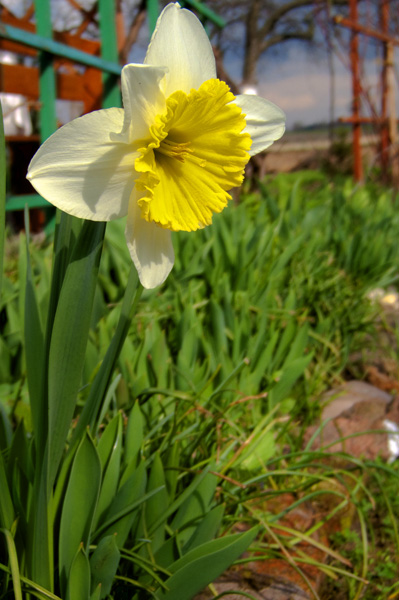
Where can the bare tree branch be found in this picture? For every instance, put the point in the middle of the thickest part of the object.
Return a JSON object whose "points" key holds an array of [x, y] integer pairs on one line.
{"points": [[268, 23]]}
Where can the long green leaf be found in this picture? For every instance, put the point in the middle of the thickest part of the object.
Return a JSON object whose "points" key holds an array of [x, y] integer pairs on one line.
{"points": [[180, 500], [206, 529], [130, 492], [195, 507], [204, 564], [96, 595], [6, 431], [102, 379], [104, 564], [109, 524], [40, 541], [157, 505], [13, 559], [7, 515], [69, 337], [111, 473], [134, 435], [66, 234], [79, 505], [78, 586], [34, 351]]}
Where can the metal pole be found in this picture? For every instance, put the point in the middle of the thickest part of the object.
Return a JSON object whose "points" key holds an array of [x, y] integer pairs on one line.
{"points": [[356, 90], [384, 16], [393, 127]]}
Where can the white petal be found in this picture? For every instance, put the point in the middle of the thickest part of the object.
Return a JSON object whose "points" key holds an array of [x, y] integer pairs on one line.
{"points": [[265, 121], [81, 171], [150, 247], [181, 44], [143, 99]]}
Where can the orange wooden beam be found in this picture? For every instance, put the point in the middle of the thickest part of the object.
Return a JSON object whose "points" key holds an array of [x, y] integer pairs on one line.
{"points": [[86, 87], [355, 26], [18, 79]]}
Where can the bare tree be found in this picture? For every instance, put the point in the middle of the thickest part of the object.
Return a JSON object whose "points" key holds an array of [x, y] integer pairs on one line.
{"points": [[256, 26]]}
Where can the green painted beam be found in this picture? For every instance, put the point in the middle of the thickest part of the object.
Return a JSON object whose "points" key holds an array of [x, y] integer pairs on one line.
{"points": [[109, 51], [56, 48], [32, 200]]}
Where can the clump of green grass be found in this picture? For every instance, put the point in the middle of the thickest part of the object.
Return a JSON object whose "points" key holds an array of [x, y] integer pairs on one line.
{"points": [[259, 315], [372, 549], [275, 293]]}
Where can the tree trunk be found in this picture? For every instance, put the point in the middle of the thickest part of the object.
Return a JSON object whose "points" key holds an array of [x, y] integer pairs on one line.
{"points": [[251, 44]]}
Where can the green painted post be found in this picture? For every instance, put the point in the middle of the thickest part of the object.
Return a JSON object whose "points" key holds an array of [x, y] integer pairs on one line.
{"points": [[153, 14], [47, 85], [109, 51]]}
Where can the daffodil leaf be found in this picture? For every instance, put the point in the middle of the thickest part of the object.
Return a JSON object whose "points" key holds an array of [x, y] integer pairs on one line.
{"points": [[79, 505], [195, 507], [34, 351], [104, 564], [69, 337], [157, 505], [124, 507], [6, 506], [198, 568], [100, 384], [66, 234], [111, 471], [78, 587]]}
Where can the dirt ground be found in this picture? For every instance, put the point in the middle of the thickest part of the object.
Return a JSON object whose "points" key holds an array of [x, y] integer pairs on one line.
{"points": [[297, 151]]}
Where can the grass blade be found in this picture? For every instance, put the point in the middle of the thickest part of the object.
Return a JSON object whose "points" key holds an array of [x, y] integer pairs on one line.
{"points": [[13, 558], [2, 195]]}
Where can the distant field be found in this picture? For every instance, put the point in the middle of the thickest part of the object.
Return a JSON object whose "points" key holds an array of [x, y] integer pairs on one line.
{"points": [[299, 149]]}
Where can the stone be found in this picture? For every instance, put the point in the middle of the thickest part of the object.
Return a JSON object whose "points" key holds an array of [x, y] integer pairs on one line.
{"points": [[350, 410]]}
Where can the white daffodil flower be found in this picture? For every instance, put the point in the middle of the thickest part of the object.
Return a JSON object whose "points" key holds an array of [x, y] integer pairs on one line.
{"points": [[168, 159]]}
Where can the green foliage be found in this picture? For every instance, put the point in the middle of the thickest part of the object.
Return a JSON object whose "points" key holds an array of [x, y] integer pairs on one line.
{"points": [[375, 551], [128, 446], [339, 160]]}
